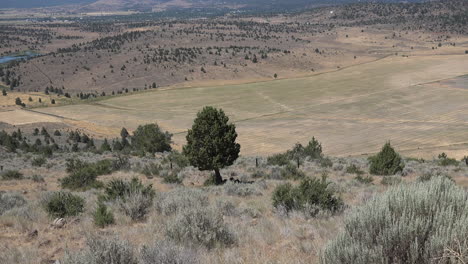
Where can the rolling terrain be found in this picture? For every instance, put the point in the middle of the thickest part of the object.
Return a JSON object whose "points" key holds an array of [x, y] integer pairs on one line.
{"points": [[352, 110]]}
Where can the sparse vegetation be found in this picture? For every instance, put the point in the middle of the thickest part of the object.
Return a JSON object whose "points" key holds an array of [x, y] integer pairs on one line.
{"points": [[408, 222]]}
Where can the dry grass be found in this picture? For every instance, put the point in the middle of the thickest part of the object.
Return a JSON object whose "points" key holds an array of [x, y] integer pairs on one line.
{"points": [[353, 111]]}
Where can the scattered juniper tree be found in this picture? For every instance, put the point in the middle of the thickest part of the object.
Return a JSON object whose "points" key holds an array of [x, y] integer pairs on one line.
{"points": [[211, 143]]}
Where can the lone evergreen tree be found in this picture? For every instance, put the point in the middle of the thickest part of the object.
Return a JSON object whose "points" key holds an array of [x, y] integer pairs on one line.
{"points": [[211, 143], [386, 162]]}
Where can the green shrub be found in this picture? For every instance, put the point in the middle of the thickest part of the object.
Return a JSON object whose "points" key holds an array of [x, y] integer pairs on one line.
{"points": [[150, 138], [391, 180], [133, 198], [135, 204], [429, 176], [84, 175], [102, 216], [63, 204], [12, 175], [353, 169], [325, 162], [284, 196], [312, 195], [411, 223], [37, 178], [200, 227], [280, 159], [298, 153], [446, 161], [151, 169], [386, 162], [365, 180], [38, 161], [292, 172], [176, 158], [119, 189], [172, 178]]}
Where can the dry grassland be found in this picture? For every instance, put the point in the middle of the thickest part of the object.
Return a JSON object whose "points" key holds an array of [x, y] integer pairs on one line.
{"points": [[352, 111]]}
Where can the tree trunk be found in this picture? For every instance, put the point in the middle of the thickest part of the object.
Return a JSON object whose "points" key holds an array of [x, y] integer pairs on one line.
{"points": [[218, 179]]}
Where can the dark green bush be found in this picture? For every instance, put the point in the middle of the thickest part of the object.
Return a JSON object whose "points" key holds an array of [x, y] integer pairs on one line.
{"points": [[83, 175], [150, 170], [150, 138], [280, 159], [172, 177], [177, 159], [310, 193], [63, 204], [446, 161], [386, 162], [284, 196], [103, 216], [325, 162], [298, 153], [292, 172], [12, 175], [391, 180], [353, 169], [119, 189], [365, 180], [38, 161]]}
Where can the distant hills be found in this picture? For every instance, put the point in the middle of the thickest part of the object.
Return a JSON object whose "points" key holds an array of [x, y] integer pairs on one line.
{"points": [[148, 5]]}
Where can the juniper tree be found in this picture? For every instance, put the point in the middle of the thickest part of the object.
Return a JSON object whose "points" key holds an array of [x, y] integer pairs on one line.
{"points": [[386, 162], [211, 143]]}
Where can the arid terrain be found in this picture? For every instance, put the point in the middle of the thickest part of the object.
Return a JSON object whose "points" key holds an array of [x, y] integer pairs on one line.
{"points": [[82, 83]]}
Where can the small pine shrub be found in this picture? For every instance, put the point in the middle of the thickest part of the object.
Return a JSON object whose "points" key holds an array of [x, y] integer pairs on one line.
{"points": [[446, 161], [119, 189], [172, 178], [311, 193], [391, 180], [9, 201], [325, 162], [103, 216], [353, 169], [280, 159], [429, 176], [177, 159], [37, 178], [62, 204], [409, 223], [200, 227], [38, 161], [83, 175], [364, 180], [284, 196], [292, 172], [386, 162], [12, 175], [150, 170]]}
